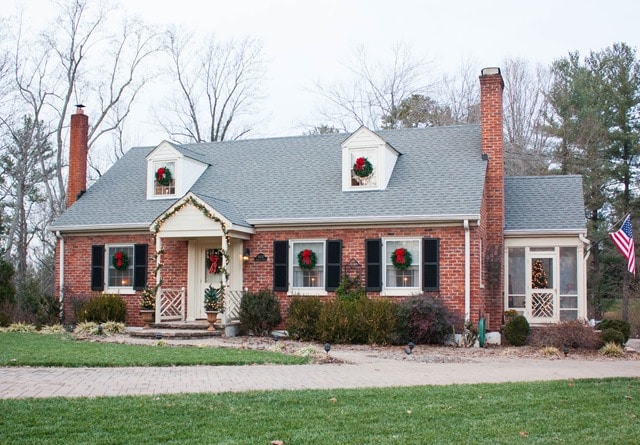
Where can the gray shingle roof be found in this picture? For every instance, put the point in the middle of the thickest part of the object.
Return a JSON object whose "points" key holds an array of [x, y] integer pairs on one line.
{"points": [[440, 173], [544, 203]]}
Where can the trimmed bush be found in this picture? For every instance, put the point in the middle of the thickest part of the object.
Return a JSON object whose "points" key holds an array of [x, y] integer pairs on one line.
{"points": [[336, 322], [620, 325], [375, 321], [611, 335], [425, 319], [350, 289], [302, 318], [573, 334], [103, 308], [260, 312], [517, 330]]}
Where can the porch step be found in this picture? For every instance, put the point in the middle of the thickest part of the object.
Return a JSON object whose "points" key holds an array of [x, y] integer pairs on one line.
{"points": [[175, 334], [200, 325]]}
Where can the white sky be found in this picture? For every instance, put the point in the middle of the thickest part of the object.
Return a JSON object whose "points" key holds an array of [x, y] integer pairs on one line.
{"points": [[310, 40]]}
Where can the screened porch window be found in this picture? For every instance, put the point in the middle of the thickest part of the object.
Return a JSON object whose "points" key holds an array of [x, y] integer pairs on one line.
{"points": [[568, 284], [516, 281]]}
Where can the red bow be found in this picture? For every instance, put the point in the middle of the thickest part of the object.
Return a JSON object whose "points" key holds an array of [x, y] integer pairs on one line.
{"points": [[360, 164], [214, 263], [119, 258], [160, 173], [306, 257], [400, 255]]}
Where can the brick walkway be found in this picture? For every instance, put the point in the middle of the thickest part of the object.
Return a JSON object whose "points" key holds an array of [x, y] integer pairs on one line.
{"points": [[364, 371]]}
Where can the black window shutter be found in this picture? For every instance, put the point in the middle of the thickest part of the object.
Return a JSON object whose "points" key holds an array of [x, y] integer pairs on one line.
{"points": [[373, 259], [430, 264], [97, 267], [281, 266], [334, 264], [140, 266]]}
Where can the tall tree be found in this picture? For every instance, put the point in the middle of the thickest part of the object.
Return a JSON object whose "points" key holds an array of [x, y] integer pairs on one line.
{"points": [[215, 85]]}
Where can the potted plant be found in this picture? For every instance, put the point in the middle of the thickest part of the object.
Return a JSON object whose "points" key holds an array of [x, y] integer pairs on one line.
{"points": [[147, 306], [213, 303]]}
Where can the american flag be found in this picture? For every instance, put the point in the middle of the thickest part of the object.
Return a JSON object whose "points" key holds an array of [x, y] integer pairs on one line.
{"points": [[623, 239]]}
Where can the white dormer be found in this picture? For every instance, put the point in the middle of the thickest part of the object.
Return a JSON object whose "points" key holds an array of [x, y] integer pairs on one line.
{"points": [[367, 161], [171, 174]]}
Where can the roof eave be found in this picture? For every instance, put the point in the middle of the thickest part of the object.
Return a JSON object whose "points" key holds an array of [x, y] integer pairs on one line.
{"points": [[358, 220], [545, 232]]}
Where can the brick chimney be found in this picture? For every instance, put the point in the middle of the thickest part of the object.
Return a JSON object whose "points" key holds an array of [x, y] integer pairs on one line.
{"points": [[491, 87], [78, 151]]}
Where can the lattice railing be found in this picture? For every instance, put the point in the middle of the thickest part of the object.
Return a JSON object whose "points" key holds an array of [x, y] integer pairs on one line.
{"points": [[172, 304], [232, 304]]}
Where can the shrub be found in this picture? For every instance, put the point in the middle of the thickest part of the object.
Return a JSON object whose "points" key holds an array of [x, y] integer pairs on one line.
{"points": [[612, 350], [517, 330], [425, 319], [21, 327], [260, 312], [350, 288], [302, 318], [103, 308], [611, 335], [620, 325], [5, 320], [374, 321], [54, 329], [336, 321], [573, 334], [87, 327]]}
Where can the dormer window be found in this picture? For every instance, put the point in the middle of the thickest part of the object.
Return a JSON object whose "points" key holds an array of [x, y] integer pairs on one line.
{"points": [[367, 161], [164, 179], [363, 171]]}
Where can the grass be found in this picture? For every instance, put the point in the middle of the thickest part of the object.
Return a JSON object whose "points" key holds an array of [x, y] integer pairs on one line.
{"points": [[25, 349], [562, 412]]}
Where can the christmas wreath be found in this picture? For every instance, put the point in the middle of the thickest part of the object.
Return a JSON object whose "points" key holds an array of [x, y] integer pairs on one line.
{"points": [[401, 258], [214, 262], [362, 167], [120, 260], [163, 176], [307, 259]]}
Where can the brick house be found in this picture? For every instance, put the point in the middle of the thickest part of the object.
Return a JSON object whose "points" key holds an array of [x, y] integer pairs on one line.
{"points": [[411, 211]]}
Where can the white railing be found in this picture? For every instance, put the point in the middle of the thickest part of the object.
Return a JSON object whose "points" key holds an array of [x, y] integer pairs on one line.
{"points": [[232, 304], [172, 304]]}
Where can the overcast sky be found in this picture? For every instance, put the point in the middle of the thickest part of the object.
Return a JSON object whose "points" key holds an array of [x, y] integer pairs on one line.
{"points": [[310, 40]]}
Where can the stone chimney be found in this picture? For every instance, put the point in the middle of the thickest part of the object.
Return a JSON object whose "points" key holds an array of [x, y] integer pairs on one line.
{"points": [[78, 151], [491, 87]]}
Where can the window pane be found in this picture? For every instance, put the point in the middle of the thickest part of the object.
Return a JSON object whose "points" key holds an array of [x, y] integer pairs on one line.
{"points": [[542, 273], [303, 277], [516, 271], [169, 187], [120, 278], [568, 302], [568, 270], [403, 277], [568, 315], [516, 301]]}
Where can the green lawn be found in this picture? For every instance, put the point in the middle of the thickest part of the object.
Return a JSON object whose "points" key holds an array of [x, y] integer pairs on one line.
{"points": [[578, 412], [23, 349]]}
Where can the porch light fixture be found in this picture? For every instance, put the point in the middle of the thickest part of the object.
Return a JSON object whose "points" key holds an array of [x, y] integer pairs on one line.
{"points": [[246, 254]]}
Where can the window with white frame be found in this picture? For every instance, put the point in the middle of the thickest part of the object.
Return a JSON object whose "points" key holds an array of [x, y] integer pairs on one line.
{"points": [[402, 263], [164, 182], [120, 264], [363, 166], [568, 283], [307, 264]]}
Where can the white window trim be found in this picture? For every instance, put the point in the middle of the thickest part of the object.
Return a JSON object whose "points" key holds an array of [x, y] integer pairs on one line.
{"points": [[124, 290], [308, 291], [400, 291], [153, 166]]}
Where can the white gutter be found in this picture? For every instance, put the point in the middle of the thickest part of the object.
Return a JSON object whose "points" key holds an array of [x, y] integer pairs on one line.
{"points": [[61, 272], [533, 233], [467, 271]]}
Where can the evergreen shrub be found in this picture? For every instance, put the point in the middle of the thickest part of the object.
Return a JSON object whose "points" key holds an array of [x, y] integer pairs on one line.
{"points": [[302, 318], [611, 335], [103, 308], [620, 325], [517, 330], [260, 312]]}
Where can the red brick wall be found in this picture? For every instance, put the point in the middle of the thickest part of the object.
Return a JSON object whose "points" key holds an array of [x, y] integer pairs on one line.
{"points": [[491, 87], [77, 268], [259, 275]]}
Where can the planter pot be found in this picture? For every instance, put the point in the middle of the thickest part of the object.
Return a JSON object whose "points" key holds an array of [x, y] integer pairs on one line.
{"points": [[212, 316], [148, 316]]}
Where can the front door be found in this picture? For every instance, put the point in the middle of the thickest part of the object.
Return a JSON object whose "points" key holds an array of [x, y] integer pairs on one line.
{"points": [[543, 295], [208, 264]]}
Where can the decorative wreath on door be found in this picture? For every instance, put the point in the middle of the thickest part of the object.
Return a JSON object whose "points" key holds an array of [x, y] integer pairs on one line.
{"points": [[214, 261]]}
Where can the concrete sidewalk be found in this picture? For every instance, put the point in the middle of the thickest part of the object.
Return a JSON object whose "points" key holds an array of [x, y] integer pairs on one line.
{"points": [[363, 371]]}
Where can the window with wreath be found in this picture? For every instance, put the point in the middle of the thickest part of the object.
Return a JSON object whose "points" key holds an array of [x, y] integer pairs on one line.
{"points": [[120, 266], [402, 263], [164, 182], [308, 264], [363, 168]]}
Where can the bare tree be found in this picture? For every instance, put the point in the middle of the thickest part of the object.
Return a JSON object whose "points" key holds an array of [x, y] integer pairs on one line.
{"points": [[461, 94], [525, 105], [216, 84], [374, 89]]}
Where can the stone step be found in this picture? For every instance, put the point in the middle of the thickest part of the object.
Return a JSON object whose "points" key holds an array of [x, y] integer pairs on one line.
{"points": [[175, 334]]}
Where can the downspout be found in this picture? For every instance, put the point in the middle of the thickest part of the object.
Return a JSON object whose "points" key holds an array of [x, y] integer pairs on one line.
{"points": [[467, 271], [61, 278]]}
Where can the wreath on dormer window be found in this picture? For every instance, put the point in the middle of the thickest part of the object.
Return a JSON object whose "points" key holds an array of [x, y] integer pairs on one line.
{"points": [[362, 167], [401, 258], [163, 176], [307, 259], [120, 260]]}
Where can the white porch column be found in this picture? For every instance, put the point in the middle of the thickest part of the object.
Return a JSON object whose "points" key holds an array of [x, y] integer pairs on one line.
{"points": [[225, 283], [158, 278]]}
